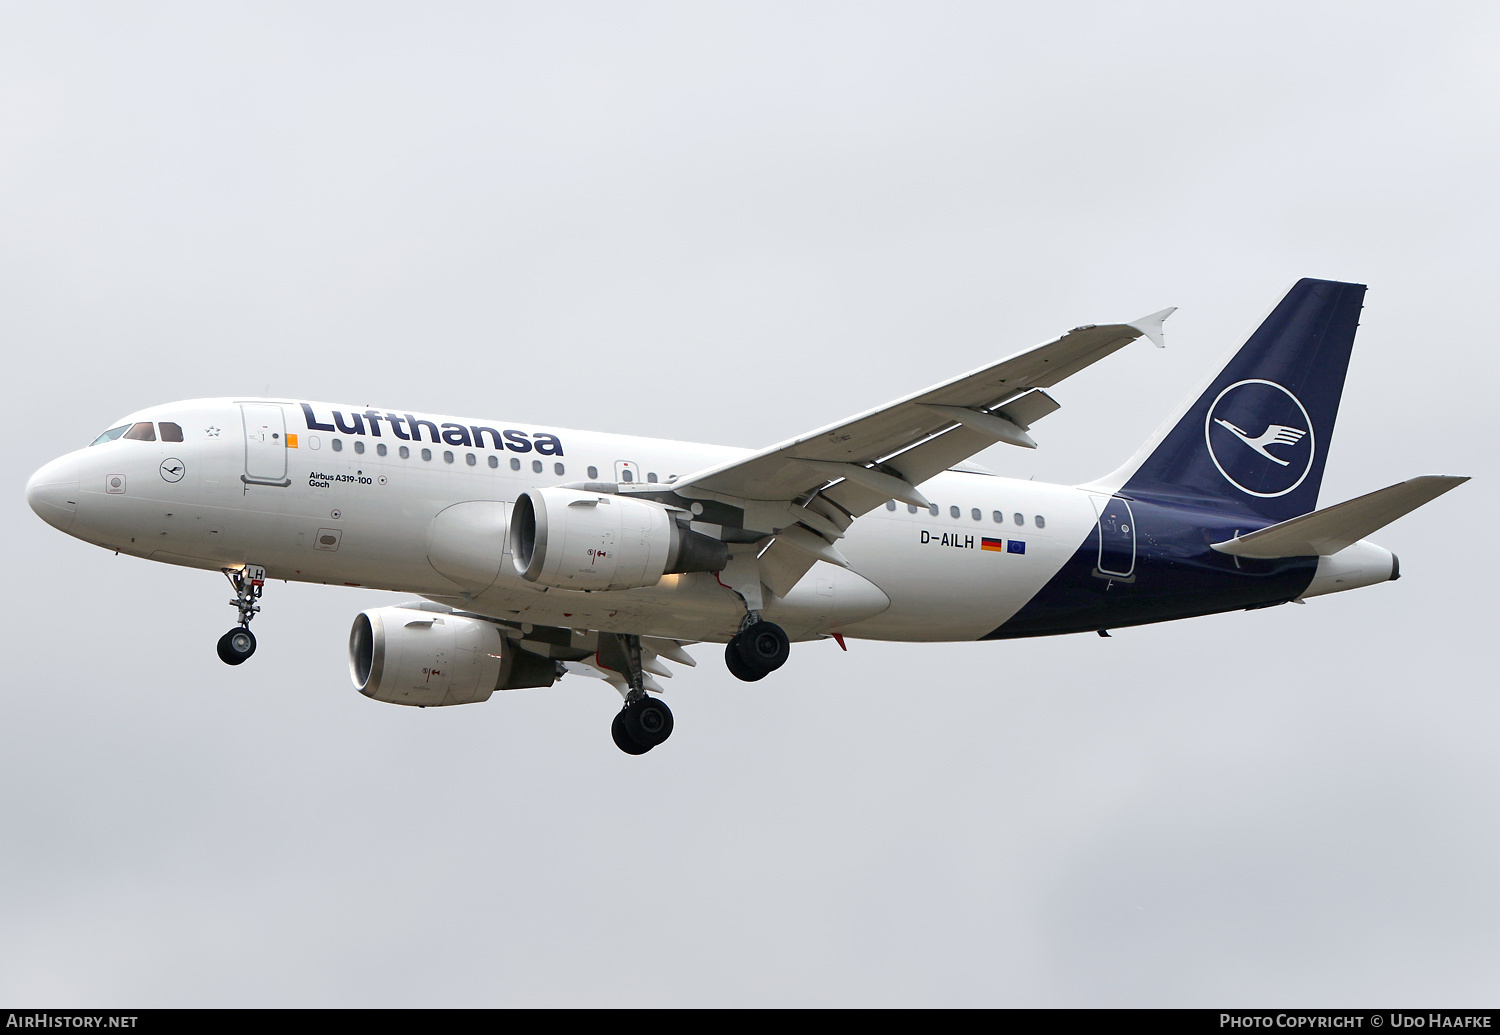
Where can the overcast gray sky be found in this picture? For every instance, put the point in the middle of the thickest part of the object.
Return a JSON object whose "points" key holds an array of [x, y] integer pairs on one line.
{"points": [[732, 223]]}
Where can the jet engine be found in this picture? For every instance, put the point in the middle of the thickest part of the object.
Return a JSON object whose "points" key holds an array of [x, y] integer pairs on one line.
{"points": [[570, 539], [410, 655]]}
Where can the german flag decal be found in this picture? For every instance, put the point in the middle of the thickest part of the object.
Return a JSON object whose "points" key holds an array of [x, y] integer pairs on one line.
{"points": [[998, 545]]}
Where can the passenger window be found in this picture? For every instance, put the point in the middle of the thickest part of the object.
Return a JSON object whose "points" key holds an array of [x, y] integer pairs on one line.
{"points": [[932, 510], [953, 512], [359, 446], [911, 508], [494, 461], [170, 432], [651, 476], [536, 466], [470, 459], [975, 514], [111, 434], [142, 432], [426, 454], [338, 445], [1020, 519], [627, 475], [558, 469], [380, 448], [405, 453], [515, 465], [593, 473], [447, 456], [999, 518], [1041, 522], [890, 505]]}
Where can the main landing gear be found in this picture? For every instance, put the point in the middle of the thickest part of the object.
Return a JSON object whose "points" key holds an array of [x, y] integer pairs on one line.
{"points": [[645, 721], [641, 725], [236, 646], [757, 650]]}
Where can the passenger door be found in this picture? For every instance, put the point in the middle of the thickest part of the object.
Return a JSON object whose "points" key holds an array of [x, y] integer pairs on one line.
{"points": [[265, 444], [1116, 538]]}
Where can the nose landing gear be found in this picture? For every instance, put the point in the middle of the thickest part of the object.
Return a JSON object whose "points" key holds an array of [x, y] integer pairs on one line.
{"points": [[236, 646]]}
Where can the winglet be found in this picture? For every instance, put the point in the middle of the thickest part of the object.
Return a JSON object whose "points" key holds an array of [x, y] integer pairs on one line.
{"points": [[1150, 326]]}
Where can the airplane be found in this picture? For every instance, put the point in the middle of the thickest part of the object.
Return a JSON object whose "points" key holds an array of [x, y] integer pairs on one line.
{"points": [[540, 551]]}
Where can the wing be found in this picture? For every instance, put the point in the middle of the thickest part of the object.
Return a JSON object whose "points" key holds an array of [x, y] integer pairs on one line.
{"points": [[584, 651], [607, 664], [823, 480], [914, 438]]}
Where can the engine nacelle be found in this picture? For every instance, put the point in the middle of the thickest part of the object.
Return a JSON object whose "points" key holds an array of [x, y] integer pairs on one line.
{"points": [[402, 655], [594, 540]]}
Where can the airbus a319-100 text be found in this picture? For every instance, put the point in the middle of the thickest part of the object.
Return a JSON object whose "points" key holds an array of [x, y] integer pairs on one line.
{"points": [[539, 551]]}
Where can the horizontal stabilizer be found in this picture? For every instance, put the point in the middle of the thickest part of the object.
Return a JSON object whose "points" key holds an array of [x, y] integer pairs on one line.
{"points": [[1325, 532]]}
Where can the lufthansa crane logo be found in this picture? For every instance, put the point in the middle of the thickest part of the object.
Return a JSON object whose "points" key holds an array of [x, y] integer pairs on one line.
{"points": [[1260, 437], [1274, 435]]}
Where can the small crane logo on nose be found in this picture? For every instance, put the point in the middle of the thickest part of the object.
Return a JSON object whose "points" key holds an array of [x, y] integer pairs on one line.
{"points": [[172, 469]]}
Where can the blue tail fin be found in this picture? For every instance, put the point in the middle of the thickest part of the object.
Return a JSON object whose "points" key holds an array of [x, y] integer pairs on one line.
{"points": [[1256, 438]]}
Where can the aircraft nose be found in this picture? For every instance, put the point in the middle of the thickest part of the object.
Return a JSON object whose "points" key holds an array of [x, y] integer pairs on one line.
{"points": [[53, 492]]}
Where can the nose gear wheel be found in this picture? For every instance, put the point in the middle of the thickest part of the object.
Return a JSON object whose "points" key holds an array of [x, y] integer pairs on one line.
{"points": [[236, 646]]}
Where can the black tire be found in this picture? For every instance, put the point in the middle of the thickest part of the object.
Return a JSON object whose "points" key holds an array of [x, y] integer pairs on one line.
{"points": [[622, 737], [763, 647], [737, 666], [648, 721], [236, 646]]}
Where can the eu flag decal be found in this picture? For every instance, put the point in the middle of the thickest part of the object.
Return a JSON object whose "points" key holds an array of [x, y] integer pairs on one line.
{"points": [[1015, 546]]}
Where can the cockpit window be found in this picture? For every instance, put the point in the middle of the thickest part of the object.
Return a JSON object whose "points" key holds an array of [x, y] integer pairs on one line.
{"points": [[111, 434], [142, 432], [170, 432]]}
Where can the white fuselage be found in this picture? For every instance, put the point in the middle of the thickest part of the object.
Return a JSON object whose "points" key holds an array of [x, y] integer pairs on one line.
{"points": [[344, 511]]}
